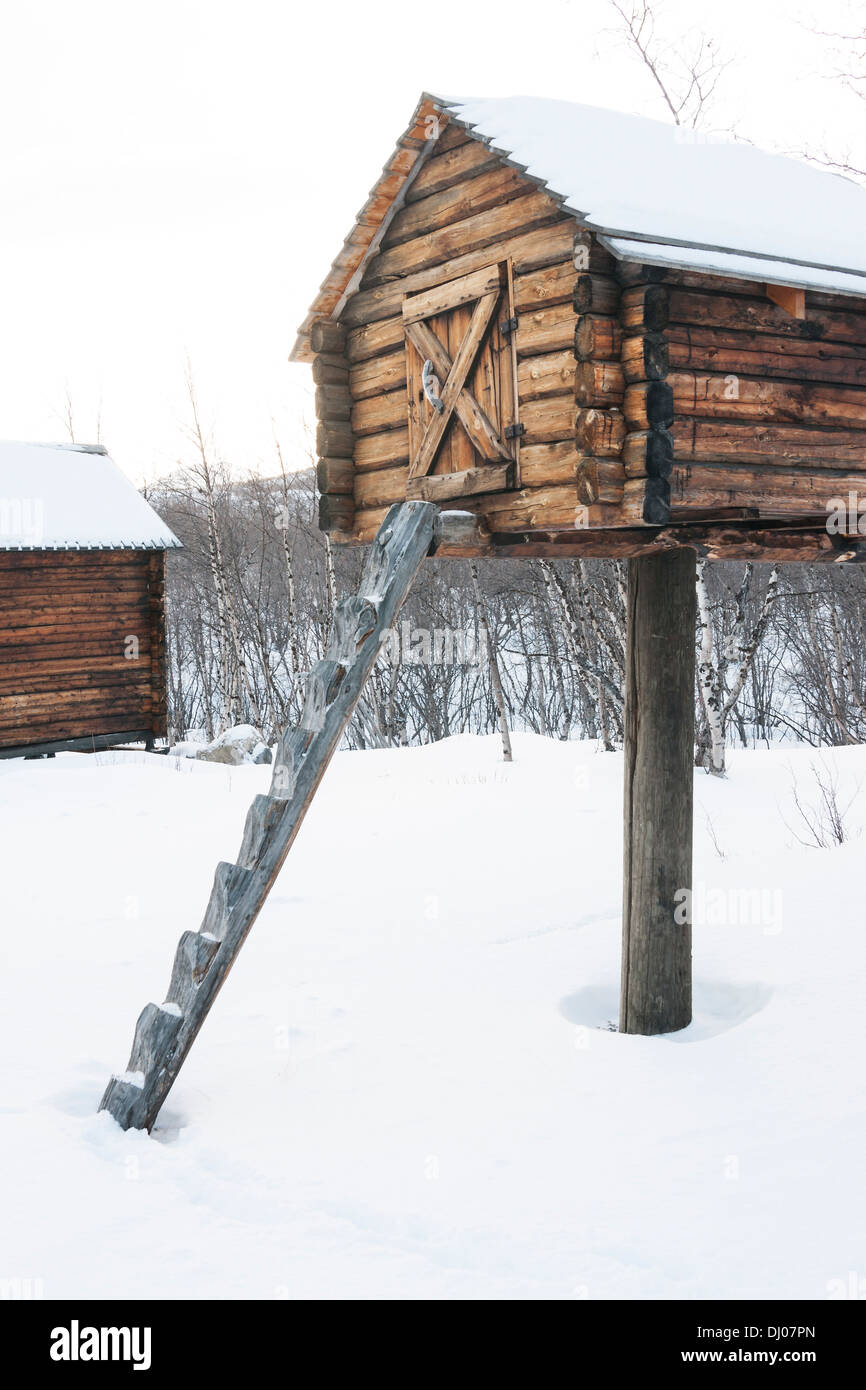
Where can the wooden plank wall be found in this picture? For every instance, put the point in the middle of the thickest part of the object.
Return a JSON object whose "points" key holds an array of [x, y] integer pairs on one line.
{"points": [[65, 617]]}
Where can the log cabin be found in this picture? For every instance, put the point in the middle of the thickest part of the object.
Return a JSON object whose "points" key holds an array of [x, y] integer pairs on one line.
{"points": [[82, 594], [584, 333], [593, 330]]}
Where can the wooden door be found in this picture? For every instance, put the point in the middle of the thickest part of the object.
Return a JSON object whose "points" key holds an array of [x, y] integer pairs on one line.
{"points": [[461, 380]]}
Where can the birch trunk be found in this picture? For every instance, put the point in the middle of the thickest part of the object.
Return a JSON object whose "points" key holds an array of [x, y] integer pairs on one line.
{"points": [[492, 664], [708, 678]]}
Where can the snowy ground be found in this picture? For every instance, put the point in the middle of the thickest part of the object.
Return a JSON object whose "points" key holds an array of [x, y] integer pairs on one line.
{"points": [[406, 1089]]}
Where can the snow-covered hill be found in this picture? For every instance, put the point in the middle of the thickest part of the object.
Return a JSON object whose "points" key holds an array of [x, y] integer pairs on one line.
{"points": [[408, 1087]]}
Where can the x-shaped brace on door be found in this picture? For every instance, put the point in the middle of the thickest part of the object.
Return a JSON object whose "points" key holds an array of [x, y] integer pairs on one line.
{"points": [[455, 396]]}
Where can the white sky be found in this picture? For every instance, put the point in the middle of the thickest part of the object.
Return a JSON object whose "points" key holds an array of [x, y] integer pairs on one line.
{"points": [[177, 177]]}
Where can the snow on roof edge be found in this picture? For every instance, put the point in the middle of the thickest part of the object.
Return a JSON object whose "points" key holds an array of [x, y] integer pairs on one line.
{"points": [[351, 261], [735, 265], [602, 226]]}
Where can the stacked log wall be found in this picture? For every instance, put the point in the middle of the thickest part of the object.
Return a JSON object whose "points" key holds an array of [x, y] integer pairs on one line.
{"points": [[735, 405], [335, 441], [67, 667], [599, 385]]}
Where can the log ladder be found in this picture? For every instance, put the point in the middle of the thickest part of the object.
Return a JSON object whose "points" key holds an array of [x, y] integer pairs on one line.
{"points": [[164, 1033]]}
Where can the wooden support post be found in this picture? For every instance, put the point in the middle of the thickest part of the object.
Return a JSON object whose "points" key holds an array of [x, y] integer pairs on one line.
{"points": [[656, 994]]}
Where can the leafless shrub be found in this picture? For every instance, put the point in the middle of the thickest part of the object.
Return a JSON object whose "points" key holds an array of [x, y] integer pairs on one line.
{"points": [[823, 822]]}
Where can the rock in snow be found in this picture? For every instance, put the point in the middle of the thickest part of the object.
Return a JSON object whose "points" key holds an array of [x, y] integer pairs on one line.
{"points": [[240, 744]]}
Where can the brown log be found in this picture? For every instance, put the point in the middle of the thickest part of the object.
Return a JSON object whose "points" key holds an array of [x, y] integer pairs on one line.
{"points": [[545, 330], [714, 540], [648, 404], [728, 311], [375, 339], [548, 374], [645, 309], [547, 419], [380, 487], [600, 480], [544, 464], [384, 412], [530, 509], [596, 294], [330, 370], [727, 351], [473, 233], [648, 452], [73, 560], [451, 135], [769, 492], [599, 385], [382, 450], [333, 403], [383, 373], [526, 250], [597, 339], [600, 433], [490, 189], [630, 273], [440, 171], [646, 358], [335, 475], [336, 513], [646, 500], [772, 402], [588, 255], [552, 284], [328, 336], [701, 440], [367, 523], [444, 488], [334, 441]]}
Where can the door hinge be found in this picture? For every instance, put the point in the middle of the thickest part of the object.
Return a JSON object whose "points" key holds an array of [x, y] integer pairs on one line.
{"points": [[514, 431], [508, 326]]}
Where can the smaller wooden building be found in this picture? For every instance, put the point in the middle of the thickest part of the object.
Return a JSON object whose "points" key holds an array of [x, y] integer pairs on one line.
{"points": [[82, 617]]}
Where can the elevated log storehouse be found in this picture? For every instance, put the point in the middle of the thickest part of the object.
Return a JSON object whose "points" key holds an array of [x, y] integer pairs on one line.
{"points": [[600, 335]]}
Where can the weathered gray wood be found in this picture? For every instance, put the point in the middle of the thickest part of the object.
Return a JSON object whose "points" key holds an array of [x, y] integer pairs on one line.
{"points": [[164, 1036], [656, 994], [460, 530], [195, 951]]}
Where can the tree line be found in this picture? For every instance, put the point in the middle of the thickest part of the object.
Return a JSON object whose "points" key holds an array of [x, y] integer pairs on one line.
{"points": [[530, 645]]}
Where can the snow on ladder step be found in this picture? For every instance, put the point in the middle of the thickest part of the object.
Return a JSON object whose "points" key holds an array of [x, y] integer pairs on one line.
{"points": [[164, 1034]]}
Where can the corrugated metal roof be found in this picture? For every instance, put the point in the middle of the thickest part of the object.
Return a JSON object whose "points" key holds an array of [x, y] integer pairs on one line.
{"points": [[73, 497], [638, 181]]}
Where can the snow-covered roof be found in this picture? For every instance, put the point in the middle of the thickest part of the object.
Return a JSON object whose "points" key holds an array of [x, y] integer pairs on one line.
{"points": [[73, 497], [652, 191], [626, 176], [736, 265]]}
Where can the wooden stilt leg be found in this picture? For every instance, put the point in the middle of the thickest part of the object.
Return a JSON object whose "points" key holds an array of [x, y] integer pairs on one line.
{"points": [[656, 994]]}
